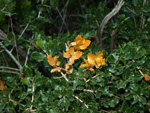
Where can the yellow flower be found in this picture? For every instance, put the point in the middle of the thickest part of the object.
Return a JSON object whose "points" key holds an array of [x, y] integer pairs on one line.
{"points": [[53, 61], [147, 78], [79, 43], [72, 55], [87, 65], [99, 59], [93, 60], [57, 69], [68, 68]]}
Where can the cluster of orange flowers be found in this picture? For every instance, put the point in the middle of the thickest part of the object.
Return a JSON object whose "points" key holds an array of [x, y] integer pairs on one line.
{"points": [[73, 53], [93, 60]]}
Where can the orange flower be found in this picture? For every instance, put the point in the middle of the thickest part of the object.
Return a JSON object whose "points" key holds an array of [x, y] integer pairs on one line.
{"points": [[99, 59], [72, 55], [68, 68], [147, 78], [87, 65], [57, 69], [93, 60], [2, 85], [80, 43], [53, 61]]}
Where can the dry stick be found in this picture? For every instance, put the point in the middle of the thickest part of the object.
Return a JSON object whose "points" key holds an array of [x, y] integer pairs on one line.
{"points": [[81, 101], [92, 77], [113, 34], [99, 38], [14, 38], [10, 68], [14, 59], [23, 31], [64, 75], [9, 72], [138, 69], [33, 89], [28, 53], [9, 96], [3, 36], [63, 18]]}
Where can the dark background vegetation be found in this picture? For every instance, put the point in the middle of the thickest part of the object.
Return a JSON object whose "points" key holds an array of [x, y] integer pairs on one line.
{"points": [[32, 26]]}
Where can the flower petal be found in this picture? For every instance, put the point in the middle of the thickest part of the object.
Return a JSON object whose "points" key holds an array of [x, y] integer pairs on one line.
{"points": [[73, 43], [147, 78], [51, 61], [71, 61], [71, 50], [91, 58], [66, 55], [57, 69], [67, 66], [77, 55]]}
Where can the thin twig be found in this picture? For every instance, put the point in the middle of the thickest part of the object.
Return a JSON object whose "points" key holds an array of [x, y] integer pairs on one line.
{"points": [[14, 38], [58, 77], [92, 77], [10, 68], [99, 38], [33, 89], [9, 72], [138, 69], [81, 101], [23, 31], [9, 96], [13, 58], [28, 53], [63, 17], [64, 76]]}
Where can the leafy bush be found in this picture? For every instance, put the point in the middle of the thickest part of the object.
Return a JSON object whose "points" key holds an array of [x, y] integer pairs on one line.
{"points": [[38, 32]]}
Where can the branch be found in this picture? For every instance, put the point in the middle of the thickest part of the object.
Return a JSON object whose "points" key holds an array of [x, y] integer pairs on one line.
{"points": [[92, 77], [81, 101], [9, 72], [9, 68], [138, 69], [64, 75], [99, 38], [13, 58], [3, 36]]}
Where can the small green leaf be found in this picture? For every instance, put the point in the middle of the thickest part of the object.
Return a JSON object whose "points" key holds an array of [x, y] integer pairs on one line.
{"points": [[38, 56], [113, 58], [40, 44], [122, 84], [24, 81], [142, 99], [27, 71]]}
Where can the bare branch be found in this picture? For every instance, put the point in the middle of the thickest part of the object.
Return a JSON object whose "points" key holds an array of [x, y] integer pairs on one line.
{"points": [[23, 31], [99, 38], [81, 101], [3, 36], [64, 75], [10, 68], [9, 72], [13, 58]]}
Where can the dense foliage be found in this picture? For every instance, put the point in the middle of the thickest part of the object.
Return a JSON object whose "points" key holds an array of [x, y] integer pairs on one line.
{"points": [[38, 32]]}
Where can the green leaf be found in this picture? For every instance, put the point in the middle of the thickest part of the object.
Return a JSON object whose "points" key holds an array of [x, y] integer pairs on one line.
{"points": [[122, 84], [113, 58], [126, 73], [27, 71], [124, 106], [38, 56], [89, 34], [40, 43], [142, 100], [24, 81], [134, 87]]}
